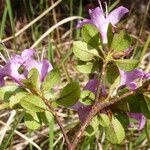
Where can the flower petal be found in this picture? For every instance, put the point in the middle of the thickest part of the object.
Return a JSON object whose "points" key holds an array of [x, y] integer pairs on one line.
{"points": [[139, 117], [115, 16], [45, 67], [83, 22], [99, 20], [25, 62], [28, 53], [91, 85], [128, 77]]}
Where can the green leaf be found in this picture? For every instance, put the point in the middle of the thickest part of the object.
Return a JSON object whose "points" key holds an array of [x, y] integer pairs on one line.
{"points": [[87, 97], [33, 103], [123, 118], [87, 67], [127, 64], [52, 79], [115, 132], [31, 120], [133, 103], [33, 81], [109, 35], [104, 120], [93, 128], [4, 105], [69, 95], [145, 106], [111, 68], [15, 99], [90, 35], [121, 41], [83, 51], [45, 117], [7, 91]]}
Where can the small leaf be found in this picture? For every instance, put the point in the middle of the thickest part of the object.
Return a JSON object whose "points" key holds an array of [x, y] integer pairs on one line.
{"points": [[83, 51], [93, 128], [69, 95], [145, 106], [15, 99], [52, 79], [45, 117], [31, 120], [7, 91], [115, 132], [109, 35], [111, 68], [87, 67], [123, 118], [87, 97], [33, 103], [127, 64], [33, 81], [121, 41], [104, 120], [90, 35], [4, 105]]}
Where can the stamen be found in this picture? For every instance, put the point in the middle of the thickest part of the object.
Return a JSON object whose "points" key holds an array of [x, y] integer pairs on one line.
{"points": [[100, 4], [106, 8]]}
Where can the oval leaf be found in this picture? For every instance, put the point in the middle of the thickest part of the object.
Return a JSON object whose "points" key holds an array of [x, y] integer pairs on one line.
{"points": [[52, 79], [121, 41], [7, 91], [115, 132], [32, 121], [33, 103], [83, 51], [15, 99], [127, 64], [104, 120], [90, 35], [69, 95], [87, 67]]}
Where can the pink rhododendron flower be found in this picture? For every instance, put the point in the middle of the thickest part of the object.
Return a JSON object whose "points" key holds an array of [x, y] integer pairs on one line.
{"points": [[139, 117], [18, 66], [128, 78], [102, 20], [82, 109]]}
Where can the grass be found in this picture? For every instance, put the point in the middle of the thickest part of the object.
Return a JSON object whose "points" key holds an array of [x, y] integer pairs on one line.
{"points": [[42, 27]]}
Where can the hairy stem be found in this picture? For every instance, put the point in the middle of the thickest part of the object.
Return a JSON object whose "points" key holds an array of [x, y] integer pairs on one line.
{"points": [[101, 78], [59, 122], [98, 107]]}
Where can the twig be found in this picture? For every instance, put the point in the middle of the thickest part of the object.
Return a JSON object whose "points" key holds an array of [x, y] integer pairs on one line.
{"points": [[59, 122], [98, 107], [101, 78]]}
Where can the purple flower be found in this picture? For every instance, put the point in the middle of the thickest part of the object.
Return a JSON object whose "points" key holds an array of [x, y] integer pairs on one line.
{"points": [[18, 66], [102, 20], [82, 109], [128, 78], [139, 117]]}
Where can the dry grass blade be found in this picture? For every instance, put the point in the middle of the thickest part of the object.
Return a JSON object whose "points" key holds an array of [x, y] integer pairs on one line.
{"points": [[32, 22], [24, 137], [4, 130], [53, 28]]}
